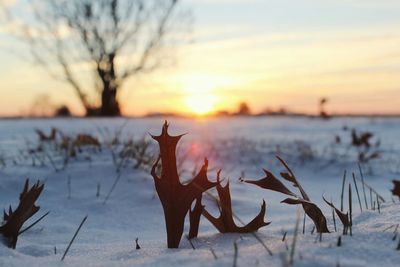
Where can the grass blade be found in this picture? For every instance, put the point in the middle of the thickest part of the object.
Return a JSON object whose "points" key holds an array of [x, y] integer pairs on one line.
{"points": [[236, 253], [33, 224], [358, 195], [342, 195], [350, 210], [73, 238], [295, 234], [112, 187]]}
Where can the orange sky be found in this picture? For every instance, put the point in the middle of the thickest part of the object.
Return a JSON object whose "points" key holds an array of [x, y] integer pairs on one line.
{"points": [[288, 60]]}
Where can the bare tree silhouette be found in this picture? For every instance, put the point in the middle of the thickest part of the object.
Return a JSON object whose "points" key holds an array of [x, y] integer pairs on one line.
{"points": [[114, 39]]}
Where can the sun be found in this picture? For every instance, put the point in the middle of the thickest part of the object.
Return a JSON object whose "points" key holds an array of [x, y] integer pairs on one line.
{"points": [[200, 104], [201, 92]]}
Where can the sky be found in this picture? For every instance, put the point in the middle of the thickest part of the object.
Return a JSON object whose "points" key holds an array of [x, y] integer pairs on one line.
{"points": [[270, 54]]}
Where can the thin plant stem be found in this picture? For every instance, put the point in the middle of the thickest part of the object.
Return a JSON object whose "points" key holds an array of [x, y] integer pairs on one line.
{"points": [[295, 234], [34, 223], [117, 178], [370, 197], [358, 195], [334, 219], [342, 195], [236, 253], [73, 238], [213, 253], [378, 204], [350, 210], [373, 190]]}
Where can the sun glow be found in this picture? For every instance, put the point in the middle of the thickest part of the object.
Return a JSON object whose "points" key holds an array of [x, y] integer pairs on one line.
{"points": [[200, 104], [201, 92]]}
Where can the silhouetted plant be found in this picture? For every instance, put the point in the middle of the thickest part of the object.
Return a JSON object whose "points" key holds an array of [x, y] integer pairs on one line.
{"points": [[396, 189], [14, 220], [361, 142], [175, 197], [225, 223], [344, 217], [270, 182]]}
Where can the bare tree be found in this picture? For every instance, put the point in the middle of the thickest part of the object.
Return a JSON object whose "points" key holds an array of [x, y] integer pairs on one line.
{"points": [[113, 39]]}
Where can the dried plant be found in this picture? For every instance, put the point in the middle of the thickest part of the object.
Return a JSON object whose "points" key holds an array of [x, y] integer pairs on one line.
{"points": [[44, 137], [358, 194], [73, 238], [344, 217], [14, 220], [56, 149], [362, 143], [225, 223], [272, 183], [396, 189], [175, 197], [82, 140], [361, 139], [194, 217], [128, 151]]}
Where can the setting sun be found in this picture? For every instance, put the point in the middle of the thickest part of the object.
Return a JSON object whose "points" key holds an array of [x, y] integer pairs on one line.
{"points": [[200, 92], [200, 104]]}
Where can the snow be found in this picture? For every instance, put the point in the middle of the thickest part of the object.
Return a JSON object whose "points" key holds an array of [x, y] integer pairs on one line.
{"points": [[239, 146]]}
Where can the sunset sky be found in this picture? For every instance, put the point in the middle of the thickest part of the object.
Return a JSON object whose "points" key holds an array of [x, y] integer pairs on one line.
{"points": [[283, 53]]}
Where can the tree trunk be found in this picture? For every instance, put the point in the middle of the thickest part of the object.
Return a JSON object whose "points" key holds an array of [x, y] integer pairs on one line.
{"points": [[109, 103]]}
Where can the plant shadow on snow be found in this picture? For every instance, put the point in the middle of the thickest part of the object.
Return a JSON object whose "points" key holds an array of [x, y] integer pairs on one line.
{"points": [[36, 251]]}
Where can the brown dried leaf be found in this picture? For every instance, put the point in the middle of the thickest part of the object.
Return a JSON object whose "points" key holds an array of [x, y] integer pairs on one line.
{"points": [[312, 211], [26, 209], [45, 137], [396, 189], [292, 178], [225, 223], [272, 183], [86, 140], [175, 197], [362, 139], [344, 217]]}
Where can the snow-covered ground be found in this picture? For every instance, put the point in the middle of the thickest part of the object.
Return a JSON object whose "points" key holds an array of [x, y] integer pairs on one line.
{"points": [[238, 146]]}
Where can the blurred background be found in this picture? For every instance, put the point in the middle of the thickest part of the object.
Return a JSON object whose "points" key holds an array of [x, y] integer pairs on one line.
{"points": [[199, 57]]}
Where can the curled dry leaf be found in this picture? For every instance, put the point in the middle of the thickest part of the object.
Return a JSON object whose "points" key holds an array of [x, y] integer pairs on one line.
{"points": [[225, 223], [361, 139], [289, 176], [396, 189], [175, 197], [344, 217], [312, 211], [270, 182], [44, 137], [86, 140], [13, 220]]}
